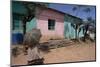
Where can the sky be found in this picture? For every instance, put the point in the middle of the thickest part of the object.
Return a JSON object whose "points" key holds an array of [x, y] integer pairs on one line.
{"points": [[67, 8]]}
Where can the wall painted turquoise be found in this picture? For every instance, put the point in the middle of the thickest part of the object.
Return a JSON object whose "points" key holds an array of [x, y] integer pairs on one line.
{"points": [[30, 25], [69, 31], [18, 27], [17, 33], [19, 10], [81, 33]]}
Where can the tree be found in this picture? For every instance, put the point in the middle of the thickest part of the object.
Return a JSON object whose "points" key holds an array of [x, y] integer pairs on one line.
{"points": [[76, 26], [31, 8], [86, 9], [87, 27], [77, 23], [29, 14], [87, 24]]}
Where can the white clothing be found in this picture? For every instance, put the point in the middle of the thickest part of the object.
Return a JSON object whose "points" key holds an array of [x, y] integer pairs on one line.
{"points": [[33, 54]]}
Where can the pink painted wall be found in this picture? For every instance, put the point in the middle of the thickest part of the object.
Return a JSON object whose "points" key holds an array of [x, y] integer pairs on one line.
{"points": [[43, 15]]}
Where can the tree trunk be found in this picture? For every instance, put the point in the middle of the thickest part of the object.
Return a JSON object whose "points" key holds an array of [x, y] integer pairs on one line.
{"points": [[76, 34], [24, 27], [85, 33]]}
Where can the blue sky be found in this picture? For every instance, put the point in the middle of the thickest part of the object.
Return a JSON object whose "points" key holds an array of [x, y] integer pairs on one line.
{"points": [[67, 8]]}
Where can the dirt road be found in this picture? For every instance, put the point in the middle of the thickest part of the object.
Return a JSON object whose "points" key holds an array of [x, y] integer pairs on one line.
{"points": [[72, 53]]}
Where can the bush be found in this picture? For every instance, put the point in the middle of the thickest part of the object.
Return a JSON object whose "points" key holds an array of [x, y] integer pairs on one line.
{"points": [[15, 52]]}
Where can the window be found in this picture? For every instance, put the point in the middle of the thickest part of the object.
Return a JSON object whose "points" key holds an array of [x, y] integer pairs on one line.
{"points": [[51, 24]]}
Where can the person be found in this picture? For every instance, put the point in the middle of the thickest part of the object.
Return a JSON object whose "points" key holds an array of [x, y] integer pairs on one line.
{"points": [[34, 55], [31, 39]]}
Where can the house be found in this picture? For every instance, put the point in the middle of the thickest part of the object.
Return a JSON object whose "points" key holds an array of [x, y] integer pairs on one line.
{"points": [[53, 24], [50, 22]]}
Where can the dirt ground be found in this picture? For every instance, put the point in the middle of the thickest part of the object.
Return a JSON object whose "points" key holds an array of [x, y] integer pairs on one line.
{"points": [[71, 53]]}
